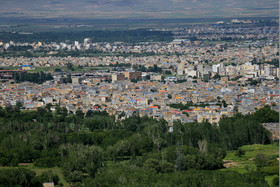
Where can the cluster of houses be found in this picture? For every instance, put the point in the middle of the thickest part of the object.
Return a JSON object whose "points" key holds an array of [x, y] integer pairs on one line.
{"points": [[209, 100]]}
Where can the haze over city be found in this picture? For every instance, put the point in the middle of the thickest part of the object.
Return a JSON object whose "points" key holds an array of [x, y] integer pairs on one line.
{"points": [[138, 9]]}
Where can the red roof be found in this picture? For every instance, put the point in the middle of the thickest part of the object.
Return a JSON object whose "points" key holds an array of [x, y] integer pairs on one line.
{"points": [[176, 112], [153, 107]]}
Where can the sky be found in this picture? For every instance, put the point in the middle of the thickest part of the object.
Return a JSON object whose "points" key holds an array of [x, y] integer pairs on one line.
{"points": [[109, 9]]}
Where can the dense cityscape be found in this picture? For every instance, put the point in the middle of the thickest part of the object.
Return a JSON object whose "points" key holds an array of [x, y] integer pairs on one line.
{"points": [[208, 79]]}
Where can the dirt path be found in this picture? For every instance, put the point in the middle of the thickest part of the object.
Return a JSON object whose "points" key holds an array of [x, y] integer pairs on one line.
{"points": [[230, 163]]}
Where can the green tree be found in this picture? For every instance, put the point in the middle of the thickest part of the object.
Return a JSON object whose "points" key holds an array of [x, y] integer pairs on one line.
{"points": [[48, 176], [239, 152], [89, 113], [80, 114], [275, 181], [169, 96], [261, 160], [70, 66]]}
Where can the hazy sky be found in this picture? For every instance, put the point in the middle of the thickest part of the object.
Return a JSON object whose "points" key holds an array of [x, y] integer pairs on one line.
{"points": [[138, 8]]}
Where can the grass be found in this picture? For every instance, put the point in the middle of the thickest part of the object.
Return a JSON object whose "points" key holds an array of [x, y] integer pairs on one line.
{"points": [[269, 179], [252, 150], [241, 164], [55, 170], [39, 171]]}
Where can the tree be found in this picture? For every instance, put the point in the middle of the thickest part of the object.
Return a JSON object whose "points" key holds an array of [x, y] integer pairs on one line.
{"points": [[48, 176], [19, 104], [266, 115], [275, 181], [70, 66], [18, 177], [235, 109], [89, 113], [217, 76], [153, 90], [261, 160], [153, 164], [169, 96], [167, 72], [239, 152], [202, 144], [80, 114], [57, 70], [224, 103]]}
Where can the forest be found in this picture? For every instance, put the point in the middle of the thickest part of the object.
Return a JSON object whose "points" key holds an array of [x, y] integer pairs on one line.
{"points": [[39, 77], [131, 36], [97, 149]]}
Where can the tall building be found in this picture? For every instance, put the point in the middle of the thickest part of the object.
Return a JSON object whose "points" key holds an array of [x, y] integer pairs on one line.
{"points": [[133, 75], [118, 77], [87, 41]]}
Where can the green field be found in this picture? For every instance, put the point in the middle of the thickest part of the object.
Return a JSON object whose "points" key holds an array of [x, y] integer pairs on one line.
{"points": [[246, 162], [39, 171], [253, 150]]}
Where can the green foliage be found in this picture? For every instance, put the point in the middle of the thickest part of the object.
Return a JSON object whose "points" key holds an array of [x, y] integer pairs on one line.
{"points": [[275, 181], [168, 72], [274, 62], [261, 160], [80, 114], [131, 36], [57, 70], [239, 152], [48, 176], [187, 106], [217, 76], [38, 77], [253, 82], [266, 115], [18, 177], [88, 145], [68, 79], [266, 165], [70, 66], [125, 65], [48, 158], [241, 130], [80, 160], [224, 103], [135, 176]]}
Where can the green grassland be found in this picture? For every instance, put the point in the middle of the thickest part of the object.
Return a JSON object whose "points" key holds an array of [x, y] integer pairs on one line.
{"points": [[252, 150], [246, 162], [55, 170]]}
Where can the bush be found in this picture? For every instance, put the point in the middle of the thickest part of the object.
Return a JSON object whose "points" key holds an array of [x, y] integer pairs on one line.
{"points": [[239, 152], [275, 181], [261, 160], [48, 177]]}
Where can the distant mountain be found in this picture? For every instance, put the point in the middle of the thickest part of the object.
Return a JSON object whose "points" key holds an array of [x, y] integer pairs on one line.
{"points": [[138, 8]]}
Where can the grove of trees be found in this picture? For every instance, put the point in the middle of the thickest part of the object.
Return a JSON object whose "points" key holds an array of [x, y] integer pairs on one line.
{"points": [[95, 149]]}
